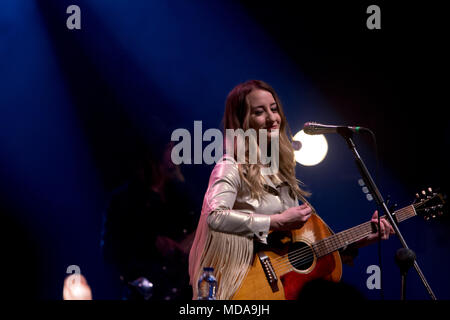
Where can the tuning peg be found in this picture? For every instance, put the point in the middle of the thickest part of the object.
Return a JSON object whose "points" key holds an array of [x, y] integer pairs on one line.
{"points": [[430, 193], [423, 194], [417, 199]]}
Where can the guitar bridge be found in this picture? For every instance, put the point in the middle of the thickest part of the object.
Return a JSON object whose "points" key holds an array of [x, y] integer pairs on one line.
{"points": [[269, 271]]}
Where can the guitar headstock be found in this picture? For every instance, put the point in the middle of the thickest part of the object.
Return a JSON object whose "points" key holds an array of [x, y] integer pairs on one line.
{"points": [[430, 203]]}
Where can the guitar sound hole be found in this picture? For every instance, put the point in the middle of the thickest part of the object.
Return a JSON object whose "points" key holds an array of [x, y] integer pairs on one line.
{"points": [[300, 255]]}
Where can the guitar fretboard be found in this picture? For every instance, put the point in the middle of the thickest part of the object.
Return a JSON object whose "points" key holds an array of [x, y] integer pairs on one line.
{"points": [[352, 235]]}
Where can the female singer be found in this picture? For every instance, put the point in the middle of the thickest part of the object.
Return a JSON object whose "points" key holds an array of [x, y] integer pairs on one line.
{"points": [[242, 204]]}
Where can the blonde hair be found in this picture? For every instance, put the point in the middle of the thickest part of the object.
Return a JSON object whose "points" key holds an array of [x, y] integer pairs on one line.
{"points": [[236, 116]]}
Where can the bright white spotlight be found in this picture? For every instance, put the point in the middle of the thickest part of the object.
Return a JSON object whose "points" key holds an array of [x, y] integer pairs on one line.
{"points": [[313, 150]]}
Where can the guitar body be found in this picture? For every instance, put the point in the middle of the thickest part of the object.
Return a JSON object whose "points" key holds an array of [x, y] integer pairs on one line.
{"points": [[284, 256]]}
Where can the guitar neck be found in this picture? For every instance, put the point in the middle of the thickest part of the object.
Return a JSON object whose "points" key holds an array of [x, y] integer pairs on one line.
{"points": [[352, 235]]}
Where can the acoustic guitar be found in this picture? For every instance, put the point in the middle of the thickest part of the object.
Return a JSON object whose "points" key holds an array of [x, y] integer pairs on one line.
{"points": [[281, 268]]}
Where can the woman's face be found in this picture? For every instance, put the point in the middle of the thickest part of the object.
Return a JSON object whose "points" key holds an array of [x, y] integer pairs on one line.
{"points": [[264, 112]]}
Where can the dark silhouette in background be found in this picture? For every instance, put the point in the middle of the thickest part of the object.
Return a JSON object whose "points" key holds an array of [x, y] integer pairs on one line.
{"points": [[148, 226], [21, 269]]}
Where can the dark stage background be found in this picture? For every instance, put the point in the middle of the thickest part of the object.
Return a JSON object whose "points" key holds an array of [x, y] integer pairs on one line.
{"points": [[77, 104]]}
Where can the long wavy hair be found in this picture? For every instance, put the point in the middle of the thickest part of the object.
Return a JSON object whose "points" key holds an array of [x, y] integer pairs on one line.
{"points": [[237, 114]]}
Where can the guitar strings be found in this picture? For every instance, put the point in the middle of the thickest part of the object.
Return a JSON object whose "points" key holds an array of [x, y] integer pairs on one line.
{"points": [[322, 241], [304, 258], [301, 254], [304, 255], [298, 254], [318, 244]]}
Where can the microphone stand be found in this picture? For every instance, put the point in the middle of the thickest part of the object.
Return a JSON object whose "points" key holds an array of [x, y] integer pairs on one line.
{"points": [[348, 134], [404, 258]]}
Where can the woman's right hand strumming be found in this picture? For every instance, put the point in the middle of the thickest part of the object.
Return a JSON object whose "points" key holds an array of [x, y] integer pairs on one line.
{"points": [[292, 218]]}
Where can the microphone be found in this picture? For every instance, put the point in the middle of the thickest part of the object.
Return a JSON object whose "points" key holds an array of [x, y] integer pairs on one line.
{"points": [[317, 128]]}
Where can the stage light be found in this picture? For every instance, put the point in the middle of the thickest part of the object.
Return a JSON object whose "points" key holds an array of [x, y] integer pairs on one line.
{"points": [[313, 148]]}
